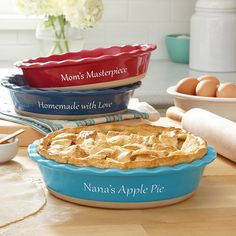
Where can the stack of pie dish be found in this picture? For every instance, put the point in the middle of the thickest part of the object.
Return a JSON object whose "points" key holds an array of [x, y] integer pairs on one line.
{"points": [[80, 84], [120, 166]]}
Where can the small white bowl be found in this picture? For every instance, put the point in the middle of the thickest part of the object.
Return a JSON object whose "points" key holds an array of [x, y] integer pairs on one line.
{"points": [[224, 107], [8, 150]]}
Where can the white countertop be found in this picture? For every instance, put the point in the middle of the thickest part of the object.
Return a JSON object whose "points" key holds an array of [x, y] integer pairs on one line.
{"points": [[161, 75]]}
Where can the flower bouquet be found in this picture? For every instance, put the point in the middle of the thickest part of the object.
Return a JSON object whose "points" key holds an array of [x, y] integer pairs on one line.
{"points": [[59, 15]]}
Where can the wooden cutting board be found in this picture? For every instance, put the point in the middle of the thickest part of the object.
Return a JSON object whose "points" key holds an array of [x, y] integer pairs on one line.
{"points": [[30, 135], [25, 138]]}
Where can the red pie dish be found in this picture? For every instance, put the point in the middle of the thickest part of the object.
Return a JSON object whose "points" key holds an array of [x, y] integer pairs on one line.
{"points": [[89, 69]]}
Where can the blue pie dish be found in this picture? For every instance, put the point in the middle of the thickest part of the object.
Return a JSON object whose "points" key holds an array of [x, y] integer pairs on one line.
{"points": [[123, 189], [70, 104]]}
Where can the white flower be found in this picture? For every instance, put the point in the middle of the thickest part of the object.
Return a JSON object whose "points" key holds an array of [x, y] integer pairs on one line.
{"points": [[29, 7], [51, 7], [90, 13], [60, 13], [78, 13], [83, 13]]}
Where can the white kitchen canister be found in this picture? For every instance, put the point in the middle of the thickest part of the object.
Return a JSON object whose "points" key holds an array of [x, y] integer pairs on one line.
{"points": [[213, 36]]}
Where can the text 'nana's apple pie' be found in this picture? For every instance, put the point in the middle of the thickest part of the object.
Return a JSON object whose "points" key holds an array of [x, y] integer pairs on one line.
{"points": [[122, 146]]}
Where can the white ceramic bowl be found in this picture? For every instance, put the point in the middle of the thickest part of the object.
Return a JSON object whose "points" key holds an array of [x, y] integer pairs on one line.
{"points": [[8, 150], [224, 107]]}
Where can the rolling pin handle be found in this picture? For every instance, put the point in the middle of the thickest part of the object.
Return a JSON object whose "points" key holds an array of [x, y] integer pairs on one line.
{"points": [[175, 113]]}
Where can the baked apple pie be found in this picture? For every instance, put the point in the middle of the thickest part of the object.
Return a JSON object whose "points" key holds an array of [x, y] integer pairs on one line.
{"points": [[122, 146]]}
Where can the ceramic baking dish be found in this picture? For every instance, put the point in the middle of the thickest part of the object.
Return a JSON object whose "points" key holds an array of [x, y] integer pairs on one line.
{"points": [[116, 188], [70, 105], [89, 69]]}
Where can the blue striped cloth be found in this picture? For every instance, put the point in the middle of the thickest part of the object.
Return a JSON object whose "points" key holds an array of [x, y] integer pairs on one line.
{"points": [[136, 110]]}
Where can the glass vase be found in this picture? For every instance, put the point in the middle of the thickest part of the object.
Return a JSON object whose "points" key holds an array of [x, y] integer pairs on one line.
{"points": [[57, 43]]}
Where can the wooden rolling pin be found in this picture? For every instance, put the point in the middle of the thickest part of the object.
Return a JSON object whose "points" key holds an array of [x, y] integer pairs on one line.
{"points": [[219, 132]]}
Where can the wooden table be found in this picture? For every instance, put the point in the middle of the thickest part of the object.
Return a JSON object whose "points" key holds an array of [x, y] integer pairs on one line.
{"points": [[211, 211]]}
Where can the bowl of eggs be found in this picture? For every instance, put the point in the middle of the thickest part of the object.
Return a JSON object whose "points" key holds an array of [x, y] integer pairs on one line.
{"points": [[205, 92]]}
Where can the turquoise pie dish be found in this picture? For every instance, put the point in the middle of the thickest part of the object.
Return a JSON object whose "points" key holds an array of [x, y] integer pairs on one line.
{"points": [[123, 189]]}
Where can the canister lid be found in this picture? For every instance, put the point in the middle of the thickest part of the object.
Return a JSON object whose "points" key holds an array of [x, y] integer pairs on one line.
{"points": [[216, 4]]}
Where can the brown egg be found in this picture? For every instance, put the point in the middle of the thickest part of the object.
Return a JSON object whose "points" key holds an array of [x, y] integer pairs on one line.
{"points": [[206, 88], [209, 77], [226, 90], [187, 86]]}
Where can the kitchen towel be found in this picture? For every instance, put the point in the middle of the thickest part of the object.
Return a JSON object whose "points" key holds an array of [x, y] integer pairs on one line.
{"points": [[135, 110]]}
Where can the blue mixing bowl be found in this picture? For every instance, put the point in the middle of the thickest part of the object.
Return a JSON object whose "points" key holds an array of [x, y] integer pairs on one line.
{"points": [[178, 47], [58, 104], [116, 188]]}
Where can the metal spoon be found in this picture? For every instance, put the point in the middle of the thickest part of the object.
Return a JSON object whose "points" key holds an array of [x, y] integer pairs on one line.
{"points": [[12, 135]]}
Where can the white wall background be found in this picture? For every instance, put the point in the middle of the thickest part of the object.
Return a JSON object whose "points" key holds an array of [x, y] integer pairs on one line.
{"points": [[124, 22]]}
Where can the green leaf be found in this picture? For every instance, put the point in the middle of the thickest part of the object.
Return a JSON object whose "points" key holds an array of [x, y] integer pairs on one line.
{"points": [[47, 23]]}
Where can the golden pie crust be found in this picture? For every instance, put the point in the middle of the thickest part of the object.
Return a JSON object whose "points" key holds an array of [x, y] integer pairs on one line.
{"points": [[122, 146]]}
